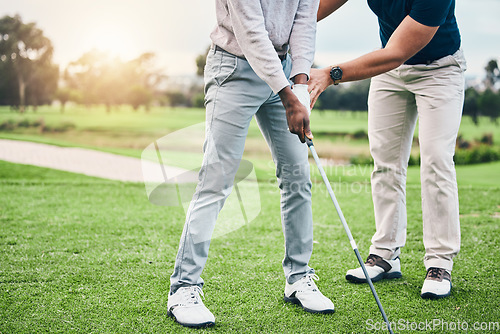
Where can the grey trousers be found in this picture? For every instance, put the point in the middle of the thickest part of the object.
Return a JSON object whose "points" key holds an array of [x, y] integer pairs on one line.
{"points": [[233, 95], [434, 93]]}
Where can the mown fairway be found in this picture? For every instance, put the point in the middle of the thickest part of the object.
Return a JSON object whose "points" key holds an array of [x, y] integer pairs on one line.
{"points": [[81, 254]]}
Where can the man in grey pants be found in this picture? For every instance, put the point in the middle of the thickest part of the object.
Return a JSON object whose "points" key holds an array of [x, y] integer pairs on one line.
{"points": [[258, 47]]}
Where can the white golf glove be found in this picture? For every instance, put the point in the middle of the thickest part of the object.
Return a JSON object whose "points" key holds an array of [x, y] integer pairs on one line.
{"points": [[300, 90]]}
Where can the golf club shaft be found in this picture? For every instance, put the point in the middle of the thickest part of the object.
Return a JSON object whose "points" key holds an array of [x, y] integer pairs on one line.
{"points": [[347, 230]]}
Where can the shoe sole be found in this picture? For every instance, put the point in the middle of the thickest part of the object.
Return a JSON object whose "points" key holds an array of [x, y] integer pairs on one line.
{"points": [[296, 301], [377, 278], [204, 324], [430, 295]]}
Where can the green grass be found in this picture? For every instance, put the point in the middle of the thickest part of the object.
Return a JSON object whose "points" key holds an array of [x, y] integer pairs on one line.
{"points": [[81, 255]]}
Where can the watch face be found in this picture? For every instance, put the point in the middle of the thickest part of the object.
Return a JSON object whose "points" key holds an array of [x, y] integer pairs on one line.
{"points": [[336, 73]]}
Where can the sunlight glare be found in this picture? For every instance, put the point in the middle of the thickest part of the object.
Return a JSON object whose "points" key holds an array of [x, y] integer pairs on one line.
{"points": [[113, 40]]}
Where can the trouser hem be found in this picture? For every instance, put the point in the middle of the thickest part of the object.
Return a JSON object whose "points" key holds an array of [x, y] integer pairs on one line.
{"points": [[438, 263], [385, 253]]}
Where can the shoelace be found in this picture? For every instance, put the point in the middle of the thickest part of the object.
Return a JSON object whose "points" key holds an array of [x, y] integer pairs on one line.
{"points": [[308, 283], [371, 259], [191, 295], [435, 273]]}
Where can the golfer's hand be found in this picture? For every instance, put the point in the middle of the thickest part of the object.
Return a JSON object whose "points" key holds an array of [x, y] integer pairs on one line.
{"points": [[319, 80], [297, 114]]}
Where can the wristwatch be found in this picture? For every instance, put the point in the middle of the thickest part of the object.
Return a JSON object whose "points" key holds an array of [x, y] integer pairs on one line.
{"points": [[336, 74]]}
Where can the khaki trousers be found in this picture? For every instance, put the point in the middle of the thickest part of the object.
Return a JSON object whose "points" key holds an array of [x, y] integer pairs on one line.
{"points": [[434, 93]]}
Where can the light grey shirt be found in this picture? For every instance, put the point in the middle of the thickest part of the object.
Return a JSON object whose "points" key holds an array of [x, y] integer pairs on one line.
{"points": [[260, 29]]}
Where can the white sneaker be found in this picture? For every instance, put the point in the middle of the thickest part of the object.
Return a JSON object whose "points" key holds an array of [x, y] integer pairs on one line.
{"points": [[304, 292], [437, 284], [186, 306], [377, 268]]}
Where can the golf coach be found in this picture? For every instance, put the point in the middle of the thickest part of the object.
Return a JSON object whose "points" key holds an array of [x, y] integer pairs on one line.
{"points": [[419, 72], [260, 47]]}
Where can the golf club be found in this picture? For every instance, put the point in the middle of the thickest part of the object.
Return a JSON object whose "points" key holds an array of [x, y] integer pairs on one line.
{"points": [[347, 230]]}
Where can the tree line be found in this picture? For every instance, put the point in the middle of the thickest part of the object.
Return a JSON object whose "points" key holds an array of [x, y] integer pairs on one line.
{"points": [[97, 78], [484, 102], [28, 77]]}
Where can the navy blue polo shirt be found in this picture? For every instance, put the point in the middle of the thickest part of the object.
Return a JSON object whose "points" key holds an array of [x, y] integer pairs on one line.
{"points": [[431, 13]]}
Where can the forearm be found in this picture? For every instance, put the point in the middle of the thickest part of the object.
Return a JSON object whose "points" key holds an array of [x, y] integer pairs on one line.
{"points": [[326, 7], [287, 97], [370, 65]]}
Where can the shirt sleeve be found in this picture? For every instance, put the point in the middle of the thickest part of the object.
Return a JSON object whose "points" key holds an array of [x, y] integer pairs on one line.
{"points": [[250, 32], [303, 37], [431, 13]]}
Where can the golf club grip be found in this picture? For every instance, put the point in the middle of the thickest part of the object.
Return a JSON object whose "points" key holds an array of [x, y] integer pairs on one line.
{"points": [[309, 142]]}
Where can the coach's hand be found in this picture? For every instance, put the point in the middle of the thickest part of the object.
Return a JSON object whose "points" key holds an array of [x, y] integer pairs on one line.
{"points": [[319, 81]]}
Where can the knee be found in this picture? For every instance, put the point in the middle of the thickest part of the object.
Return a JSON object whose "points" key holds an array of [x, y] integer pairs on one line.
{"points": [[437, 156], [218, 177], [295, 178], [385, 162], [387, 156]]}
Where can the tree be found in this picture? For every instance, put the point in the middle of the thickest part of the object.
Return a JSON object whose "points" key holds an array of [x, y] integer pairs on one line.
{"points": [[143, 78], [489, 104], [9, 91], [139, 95], [176, 98], [27, 53], [85, 74], [470, 104], [492, 73], [43, 86], [143, 71], [201, 61], [66, 94], [110, 81], [351, 97]]}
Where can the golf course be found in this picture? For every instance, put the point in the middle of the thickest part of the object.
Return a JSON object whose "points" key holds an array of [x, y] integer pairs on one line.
{"points": [[80, 254]]}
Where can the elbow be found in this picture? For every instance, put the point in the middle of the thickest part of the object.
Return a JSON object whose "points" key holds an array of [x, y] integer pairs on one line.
{"points": [[398, 62], [396, 59], [400, 56]]}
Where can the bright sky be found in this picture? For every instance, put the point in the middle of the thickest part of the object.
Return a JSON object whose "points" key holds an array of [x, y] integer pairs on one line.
{"points": [[177, 31]]}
